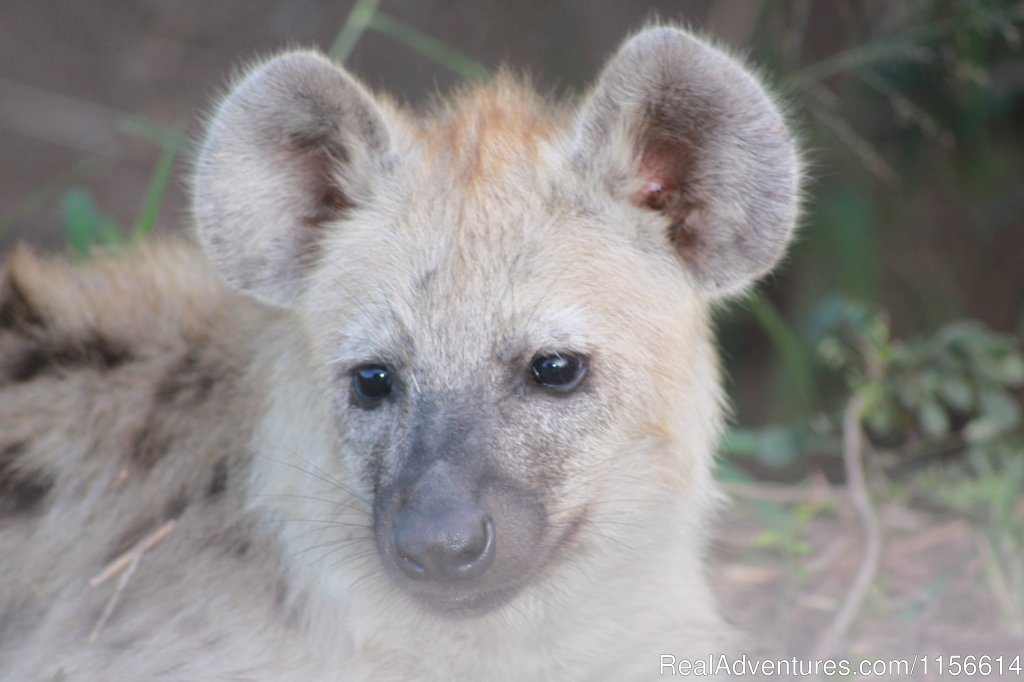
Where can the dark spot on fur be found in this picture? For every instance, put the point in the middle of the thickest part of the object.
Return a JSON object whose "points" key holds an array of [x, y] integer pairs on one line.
{"points": [[426, 279], [26, 365], [150, 445], [185, 386], [236, 540], [96, 352], [189, 381], [219, 482], [177, 506], [21, 492], [233, 539], [138, 531], [16, 309]]}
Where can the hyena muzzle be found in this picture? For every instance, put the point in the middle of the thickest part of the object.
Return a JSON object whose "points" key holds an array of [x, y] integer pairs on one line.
{"points": [[452, 416]]}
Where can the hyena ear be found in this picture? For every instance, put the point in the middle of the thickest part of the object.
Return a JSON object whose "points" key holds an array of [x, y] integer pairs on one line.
{"points": [[685, 132], [295, 143]]}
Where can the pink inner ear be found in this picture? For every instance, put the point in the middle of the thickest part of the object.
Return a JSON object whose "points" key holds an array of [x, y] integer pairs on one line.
{"points": [[654, 194], [661, 168]]}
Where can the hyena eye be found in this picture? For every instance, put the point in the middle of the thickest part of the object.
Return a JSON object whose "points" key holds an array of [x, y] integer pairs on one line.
{"points": [[371, 384], [560, 372]]}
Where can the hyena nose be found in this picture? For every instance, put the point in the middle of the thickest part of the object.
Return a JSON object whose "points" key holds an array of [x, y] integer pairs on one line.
{"points": [[451, 543]]}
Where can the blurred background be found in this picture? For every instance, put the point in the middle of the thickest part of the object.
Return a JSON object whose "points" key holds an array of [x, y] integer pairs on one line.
{"points": [[889, 344]]}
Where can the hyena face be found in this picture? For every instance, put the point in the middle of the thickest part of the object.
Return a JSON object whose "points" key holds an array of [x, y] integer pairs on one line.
{"points": [[503, 306]]}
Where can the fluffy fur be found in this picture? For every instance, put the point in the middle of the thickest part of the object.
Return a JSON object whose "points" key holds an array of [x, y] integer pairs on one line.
{"points": [[451, 247]]}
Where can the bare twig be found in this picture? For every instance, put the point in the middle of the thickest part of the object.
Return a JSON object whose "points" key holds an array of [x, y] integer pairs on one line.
{"points": [[852, 449], [125, 565]]}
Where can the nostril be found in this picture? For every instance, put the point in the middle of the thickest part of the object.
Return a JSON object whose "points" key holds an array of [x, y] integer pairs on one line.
{"points": [[407, 557], [476, 555]]}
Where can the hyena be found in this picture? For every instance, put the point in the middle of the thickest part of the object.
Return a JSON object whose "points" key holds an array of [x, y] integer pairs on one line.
{"points": [[435, 398]]}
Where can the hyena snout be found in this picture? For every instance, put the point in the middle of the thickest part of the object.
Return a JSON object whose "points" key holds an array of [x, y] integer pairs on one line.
{"points": [[462, 539], [443, 539]]}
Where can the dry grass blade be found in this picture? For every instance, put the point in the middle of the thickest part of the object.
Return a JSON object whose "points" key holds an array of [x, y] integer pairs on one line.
{"points": [[355, 25], [125, 565]]}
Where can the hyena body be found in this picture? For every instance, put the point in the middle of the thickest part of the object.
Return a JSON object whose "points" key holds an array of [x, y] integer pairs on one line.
{"points": [[452, 416]]}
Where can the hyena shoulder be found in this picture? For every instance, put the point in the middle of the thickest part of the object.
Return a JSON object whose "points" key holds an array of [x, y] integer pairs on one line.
{"points": [[114, 376]]}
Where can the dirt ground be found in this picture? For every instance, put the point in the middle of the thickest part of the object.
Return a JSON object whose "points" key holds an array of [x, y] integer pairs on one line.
{"points": [[935, 594]]}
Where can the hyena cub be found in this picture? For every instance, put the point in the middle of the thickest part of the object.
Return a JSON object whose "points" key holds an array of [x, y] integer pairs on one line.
{"points": [[451, 416]]}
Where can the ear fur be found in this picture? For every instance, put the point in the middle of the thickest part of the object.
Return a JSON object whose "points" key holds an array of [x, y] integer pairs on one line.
{"points": [[295, 143], [684, 131]]}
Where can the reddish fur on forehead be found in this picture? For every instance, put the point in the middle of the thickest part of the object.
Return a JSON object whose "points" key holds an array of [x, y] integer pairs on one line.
{"points": [[488, 127]]}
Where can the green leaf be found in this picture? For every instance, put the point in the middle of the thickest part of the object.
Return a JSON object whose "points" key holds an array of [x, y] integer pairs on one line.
{"points": [[883, 417], [983, 430], [998, 413], [355, 25], [957, 393], [155, 191], [1010, 366], [85, 225], [933, 420]]}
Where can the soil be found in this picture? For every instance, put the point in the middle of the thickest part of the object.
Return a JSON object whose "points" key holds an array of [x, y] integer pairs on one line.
{"points": [[935, 593]]}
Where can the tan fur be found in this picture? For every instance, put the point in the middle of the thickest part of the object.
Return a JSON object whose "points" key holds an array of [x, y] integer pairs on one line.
{"points": [[483, 131], [453, 248]]}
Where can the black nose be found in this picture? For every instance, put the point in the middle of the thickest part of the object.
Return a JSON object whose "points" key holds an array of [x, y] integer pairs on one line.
{"points": [[442, 544]]}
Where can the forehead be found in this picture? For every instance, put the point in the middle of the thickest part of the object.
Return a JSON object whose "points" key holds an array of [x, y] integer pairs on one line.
{"points": [[486, 136], [484, 242]]}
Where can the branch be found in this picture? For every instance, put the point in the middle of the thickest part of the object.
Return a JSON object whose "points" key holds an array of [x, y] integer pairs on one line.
{"points": [[852, 461]]}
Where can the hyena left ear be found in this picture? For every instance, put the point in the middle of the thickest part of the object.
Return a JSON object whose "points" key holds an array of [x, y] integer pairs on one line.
{"points": [[296, 143], [684, 131]]}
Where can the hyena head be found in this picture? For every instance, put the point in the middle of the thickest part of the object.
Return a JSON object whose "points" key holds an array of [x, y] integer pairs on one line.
{"points": [[503, 305]]}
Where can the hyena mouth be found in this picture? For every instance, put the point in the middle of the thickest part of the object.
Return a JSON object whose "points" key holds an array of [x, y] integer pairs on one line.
{"points": [[466, 604]]}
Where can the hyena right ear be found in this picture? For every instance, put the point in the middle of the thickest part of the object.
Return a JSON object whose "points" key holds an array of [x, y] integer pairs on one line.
{"points": [[683, 131], [295, 143]]}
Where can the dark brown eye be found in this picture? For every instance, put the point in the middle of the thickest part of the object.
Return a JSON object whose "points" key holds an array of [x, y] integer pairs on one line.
{"points": [[371, 384], [560, 372]]}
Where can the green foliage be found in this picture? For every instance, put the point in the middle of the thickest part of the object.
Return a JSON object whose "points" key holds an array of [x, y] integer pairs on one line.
{"points": [[986, 488], [957, 382], [155, 191], [787, 526], [87, 227], [951, 391], [916, 161], [358, 20]]}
